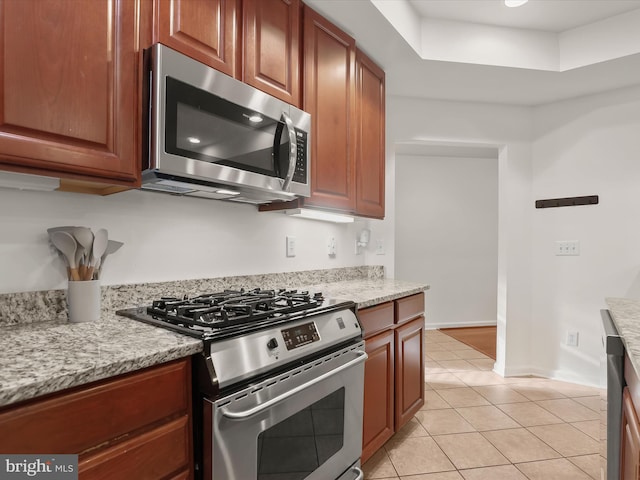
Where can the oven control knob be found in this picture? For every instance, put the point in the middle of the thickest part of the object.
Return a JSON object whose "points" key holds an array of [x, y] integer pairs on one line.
{"points": [[271, 344]]}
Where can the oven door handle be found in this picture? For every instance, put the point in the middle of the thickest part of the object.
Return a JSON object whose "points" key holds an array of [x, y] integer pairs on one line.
{"points": [[362, 356], [359, 472]]}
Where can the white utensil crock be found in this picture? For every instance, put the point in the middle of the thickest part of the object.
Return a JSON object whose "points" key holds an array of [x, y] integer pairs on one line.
{"points": [[83, 300]]}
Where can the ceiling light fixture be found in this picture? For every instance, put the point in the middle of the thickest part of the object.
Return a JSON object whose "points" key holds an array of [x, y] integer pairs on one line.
{"points": [[318, 215], [194, 140], [515, 3]]}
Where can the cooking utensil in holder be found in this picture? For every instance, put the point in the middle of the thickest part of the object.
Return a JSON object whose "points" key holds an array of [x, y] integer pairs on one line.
{"points": [[83, 300]]}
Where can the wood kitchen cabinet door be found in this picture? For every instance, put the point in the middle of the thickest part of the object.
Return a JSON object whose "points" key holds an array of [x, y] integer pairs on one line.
{"points": [[69, 87], [378, 393], [271, 47], [630, 444], [370, 124], [329, 96], [409, 370], [206, 30]]}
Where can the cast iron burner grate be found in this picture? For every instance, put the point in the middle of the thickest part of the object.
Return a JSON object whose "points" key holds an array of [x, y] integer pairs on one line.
{"points": [[232, 307]]}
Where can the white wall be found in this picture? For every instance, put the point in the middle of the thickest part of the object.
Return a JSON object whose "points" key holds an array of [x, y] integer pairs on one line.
{"points": [[613, 37], [508, 128], [447, 235], [475, 43], [586, 146], [166, 238]]}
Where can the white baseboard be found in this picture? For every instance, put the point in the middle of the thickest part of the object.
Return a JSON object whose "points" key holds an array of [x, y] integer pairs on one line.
{"points": [[552, 375], [486, 323], [525, 371]]}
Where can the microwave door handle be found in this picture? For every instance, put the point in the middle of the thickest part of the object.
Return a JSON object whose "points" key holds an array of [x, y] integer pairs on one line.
{"points": [[293, 151]]}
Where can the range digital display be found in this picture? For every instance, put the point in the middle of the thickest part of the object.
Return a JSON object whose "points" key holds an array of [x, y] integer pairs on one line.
{"points": [[304, 334]]}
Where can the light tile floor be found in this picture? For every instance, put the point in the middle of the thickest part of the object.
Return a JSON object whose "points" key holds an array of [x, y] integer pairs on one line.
{"points": [[476, 425]]}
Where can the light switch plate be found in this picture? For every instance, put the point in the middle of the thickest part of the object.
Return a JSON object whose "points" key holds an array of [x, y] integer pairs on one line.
{"points": [[291, 246], [331, 247]]}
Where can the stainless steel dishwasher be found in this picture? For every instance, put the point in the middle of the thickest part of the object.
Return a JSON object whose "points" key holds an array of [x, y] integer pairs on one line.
{"points": [[615, 384]]}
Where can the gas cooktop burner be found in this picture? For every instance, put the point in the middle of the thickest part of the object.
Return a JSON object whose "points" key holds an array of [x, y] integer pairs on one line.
{"points": [[228, 313], [224, 309]]}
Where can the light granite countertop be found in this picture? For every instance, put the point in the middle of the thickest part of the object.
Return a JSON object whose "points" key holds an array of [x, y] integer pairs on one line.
{"points": [[625, 313], [368, 292], [40, 357], [47, 357]]}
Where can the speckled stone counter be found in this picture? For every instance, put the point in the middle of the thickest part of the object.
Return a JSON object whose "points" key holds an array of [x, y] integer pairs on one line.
{"points": [[52, 356], [625, 313], [368, 292], [41, 353]]}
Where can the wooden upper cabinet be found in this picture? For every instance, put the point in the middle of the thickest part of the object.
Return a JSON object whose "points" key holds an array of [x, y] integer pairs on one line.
{"points": [[271, 47], [329, 96], [69, 89], [206, 30], [370, 124]]}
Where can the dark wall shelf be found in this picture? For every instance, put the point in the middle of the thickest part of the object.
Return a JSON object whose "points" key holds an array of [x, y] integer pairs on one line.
{"points": [[567, 202]]}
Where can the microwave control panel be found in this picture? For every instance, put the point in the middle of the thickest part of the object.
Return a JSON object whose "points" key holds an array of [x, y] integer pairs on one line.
{"points": [[300, 335], [300, 173]]}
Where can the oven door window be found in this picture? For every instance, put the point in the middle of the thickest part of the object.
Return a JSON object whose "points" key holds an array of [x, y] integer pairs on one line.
{"points": [[205, 127], [297, 446]]}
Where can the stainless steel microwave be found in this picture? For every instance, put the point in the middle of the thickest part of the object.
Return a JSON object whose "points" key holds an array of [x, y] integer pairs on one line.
{"points": [[212, 136]]}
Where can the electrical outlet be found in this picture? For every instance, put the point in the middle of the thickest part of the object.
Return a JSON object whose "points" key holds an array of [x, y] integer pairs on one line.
{"points": [[571, 248], [331, 247], [380, 247], [572, 338], [291, 246]]}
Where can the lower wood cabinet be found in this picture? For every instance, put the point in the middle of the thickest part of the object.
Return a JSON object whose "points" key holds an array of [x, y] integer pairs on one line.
{"points": [[136, 425], [154, 454], [394, 371], [379, 372], [630, 444], [409, 386]]}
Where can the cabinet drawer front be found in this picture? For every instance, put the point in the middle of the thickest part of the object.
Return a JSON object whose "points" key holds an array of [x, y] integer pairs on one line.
{"points": [[73, 422], [376, 319], [153, 455], [409, 307]]}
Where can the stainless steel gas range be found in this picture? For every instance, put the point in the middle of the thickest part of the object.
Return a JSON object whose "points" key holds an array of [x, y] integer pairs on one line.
{"points": [[278, 391]]}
